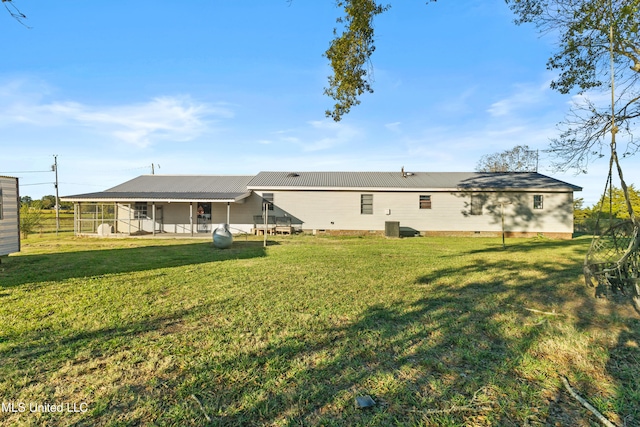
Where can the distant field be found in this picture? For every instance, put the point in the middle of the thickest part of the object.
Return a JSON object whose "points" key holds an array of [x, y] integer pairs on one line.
{"points": [[439, 332], [48, 224]]}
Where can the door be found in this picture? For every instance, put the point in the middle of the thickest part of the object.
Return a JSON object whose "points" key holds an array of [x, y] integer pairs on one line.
{"points": [[204, 218]]}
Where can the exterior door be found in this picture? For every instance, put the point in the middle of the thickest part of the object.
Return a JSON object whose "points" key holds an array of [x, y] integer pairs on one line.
{"points": [[204, 218]]}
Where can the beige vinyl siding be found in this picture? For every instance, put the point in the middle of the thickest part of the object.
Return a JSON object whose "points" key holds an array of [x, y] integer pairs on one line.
{"points": [[450, 211], [9, 224]]}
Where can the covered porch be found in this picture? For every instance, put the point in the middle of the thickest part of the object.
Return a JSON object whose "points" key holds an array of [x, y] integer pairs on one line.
{"points": [[166, 204], [154, 217]]}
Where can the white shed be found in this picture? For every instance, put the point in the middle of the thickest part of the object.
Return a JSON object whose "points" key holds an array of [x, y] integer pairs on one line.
{"points": [[9, 215]]}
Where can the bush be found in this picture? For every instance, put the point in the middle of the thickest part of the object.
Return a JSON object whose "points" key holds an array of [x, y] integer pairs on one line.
{"points": [[30, 219]]}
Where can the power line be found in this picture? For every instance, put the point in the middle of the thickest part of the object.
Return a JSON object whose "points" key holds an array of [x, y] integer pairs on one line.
{"points": [[39, 183], [27, 172], [81, 183]]}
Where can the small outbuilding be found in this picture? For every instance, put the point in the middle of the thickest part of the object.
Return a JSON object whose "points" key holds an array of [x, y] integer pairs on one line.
{"points": [[9, 215]]}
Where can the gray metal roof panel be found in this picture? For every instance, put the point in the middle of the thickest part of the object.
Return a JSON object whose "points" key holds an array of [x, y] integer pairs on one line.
{"points": [[412, 180], [230, 187], [174, 187], [185, 183], [155, 196]]}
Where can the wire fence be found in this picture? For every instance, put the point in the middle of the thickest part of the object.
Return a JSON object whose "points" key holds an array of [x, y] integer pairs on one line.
{"points": [[47, 223]]}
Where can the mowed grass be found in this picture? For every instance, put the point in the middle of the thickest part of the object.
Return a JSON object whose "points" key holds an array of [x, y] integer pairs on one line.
{"points": [[438, 331]]}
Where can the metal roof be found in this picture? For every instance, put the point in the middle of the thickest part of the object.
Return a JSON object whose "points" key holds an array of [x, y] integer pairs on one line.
{"points": [[386, 181], [231, 188], [174, 188]]}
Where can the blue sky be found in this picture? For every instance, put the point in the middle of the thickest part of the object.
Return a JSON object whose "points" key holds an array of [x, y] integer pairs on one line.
{"points": [[235, 87]]}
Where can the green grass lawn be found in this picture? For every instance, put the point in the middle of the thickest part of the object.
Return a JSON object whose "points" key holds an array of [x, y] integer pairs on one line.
{"points": [[438, 331]]}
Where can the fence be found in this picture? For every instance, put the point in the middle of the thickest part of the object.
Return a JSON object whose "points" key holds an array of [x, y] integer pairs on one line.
{"points": [[47, 222]]}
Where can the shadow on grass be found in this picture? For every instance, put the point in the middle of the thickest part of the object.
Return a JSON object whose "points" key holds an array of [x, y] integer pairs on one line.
{"points": [[58, 266], [578, 246], [469, 346], [45, 350], [623, 365], [45, 343]]}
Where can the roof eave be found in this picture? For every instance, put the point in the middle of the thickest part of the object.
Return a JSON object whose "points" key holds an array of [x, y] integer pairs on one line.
{"points": [[410, 189], [155, 199]]}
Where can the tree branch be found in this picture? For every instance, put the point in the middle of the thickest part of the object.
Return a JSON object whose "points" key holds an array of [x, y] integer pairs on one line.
{"points": [[350, 55], [586, 404], [15, 12]]}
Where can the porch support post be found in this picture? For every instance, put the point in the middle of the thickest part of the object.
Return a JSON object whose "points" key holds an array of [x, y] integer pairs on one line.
{"points": [[76, 218], [153, 217], [228, 212], [115, 217], [191, 217]]}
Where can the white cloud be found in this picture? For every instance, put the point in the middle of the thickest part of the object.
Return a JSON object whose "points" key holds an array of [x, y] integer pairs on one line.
{"points": [[460, 103], [175, 118], [318, 135], [525, 95], [338, 134], [393, 127]]}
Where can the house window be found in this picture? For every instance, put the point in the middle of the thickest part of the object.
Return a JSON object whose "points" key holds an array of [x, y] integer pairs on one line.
{"points": [[140, 210], [425, 202], [537, 201], [476, 205], [366, 204], [268, 198]]}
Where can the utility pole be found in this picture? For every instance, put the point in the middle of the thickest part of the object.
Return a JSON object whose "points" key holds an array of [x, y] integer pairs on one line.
{"points": [[55, 169]]}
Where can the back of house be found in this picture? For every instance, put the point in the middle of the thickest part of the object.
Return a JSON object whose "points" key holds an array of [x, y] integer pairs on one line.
{"points": [[516, 204], [9, 215]]}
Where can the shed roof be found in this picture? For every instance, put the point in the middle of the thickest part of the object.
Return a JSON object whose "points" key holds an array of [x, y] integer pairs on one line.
{"points": [[410, 181], [216, 188]]}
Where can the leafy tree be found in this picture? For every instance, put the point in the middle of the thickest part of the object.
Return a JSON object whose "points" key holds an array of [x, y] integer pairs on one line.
{"points": [[30, 218], [519, 159], [349, 54], [25, 200], [580, 211], [613, 202], [584, 217], [48, 201], [598, 40]]}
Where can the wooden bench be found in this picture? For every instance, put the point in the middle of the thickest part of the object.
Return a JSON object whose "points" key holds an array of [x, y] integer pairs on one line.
{"points": [[283, 225], [259, 226]]}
